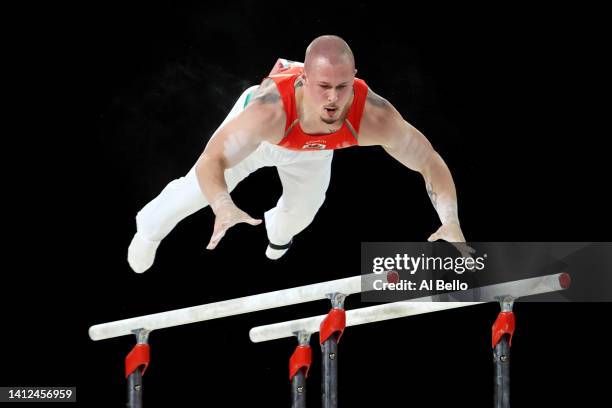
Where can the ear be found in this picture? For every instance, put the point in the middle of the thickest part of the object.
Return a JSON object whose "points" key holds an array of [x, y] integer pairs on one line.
{"points": [[355, 71]]}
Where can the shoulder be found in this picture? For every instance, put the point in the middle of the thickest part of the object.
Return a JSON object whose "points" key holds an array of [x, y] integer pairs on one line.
{"points": [[265, 111], [267, 94], [380, 120], [376, 104]]}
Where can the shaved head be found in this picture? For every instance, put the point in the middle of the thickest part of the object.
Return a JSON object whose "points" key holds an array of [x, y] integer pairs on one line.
{"points": [[329, 75], [328, 49]]}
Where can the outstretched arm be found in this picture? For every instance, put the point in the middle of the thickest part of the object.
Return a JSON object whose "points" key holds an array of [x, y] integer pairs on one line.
{"points": [[262, 120], [384, 126], [414, 151]]}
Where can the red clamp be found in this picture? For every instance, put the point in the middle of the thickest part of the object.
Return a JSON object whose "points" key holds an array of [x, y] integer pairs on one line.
{"points": [[138, 357], [392, 276], [301, 357], [335, 322], [503, 325]]}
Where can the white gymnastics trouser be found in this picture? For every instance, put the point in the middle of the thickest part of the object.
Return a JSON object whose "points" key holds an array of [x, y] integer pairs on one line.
{"points": [[304, 176]]}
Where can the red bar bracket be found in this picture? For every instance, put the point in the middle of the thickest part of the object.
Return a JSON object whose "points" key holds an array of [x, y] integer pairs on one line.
{"points": [[301, 357], [504, 324], [334, 322], [138, 357]]}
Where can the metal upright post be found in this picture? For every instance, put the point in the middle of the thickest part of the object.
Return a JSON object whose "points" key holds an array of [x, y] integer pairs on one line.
{"points": [[136, 363], [299, 364], [331, 330], [503, 329]]}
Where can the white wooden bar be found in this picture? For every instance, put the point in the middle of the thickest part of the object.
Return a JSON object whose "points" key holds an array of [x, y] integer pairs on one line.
{"points": [[247, 304], [395, 310]]}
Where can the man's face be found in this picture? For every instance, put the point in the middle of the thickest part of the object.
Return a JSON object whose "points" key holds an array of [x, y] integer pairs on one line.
{"points": [[329, 88]]}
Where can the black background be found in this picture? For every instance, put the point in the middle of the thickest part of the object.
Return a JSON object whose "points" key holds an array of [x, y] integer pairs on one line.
{"points": [[119, 100]]}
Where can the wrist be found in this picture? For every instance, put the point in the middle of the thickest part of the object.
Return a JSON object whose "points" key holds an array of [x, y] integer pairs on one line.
{"points": [[449, 217], [221, 200]]}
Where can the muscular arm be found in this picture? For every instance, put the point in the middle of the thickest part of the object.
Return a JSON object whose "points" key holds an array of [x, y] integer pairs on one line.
{"points": [[383, 125], [414, 151], [262, 120]]}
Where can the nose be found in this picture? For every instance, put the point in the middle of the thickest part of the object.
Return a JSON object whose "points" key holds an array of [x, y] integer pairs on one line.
{"points": [[332, 96]]}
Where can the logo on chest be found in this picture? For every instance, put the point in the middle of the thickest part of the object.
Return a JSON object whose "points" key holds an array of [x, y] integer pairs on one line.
{"points": [[316, 145]]}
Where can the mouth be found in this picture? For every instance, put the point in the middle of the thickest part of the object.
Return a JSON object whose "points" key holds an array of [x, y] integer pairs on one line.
{"points": [[331, 110]]}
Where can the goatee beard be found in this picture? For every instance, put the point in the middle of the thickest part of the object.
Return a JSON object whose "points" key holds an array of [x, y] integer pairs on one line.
{"points": [[329, 121]]}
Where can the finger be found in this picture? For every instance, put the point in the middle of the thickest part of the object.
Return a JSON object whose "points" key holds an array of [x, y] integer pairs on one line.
{"points": [[252, 221], [466, 253], [465, 248], [246, 218], [216, 237]]}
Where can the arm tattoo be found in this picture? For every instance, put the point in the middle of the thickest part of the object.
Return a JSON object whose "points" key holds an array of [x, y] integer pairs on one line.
{"points": [[432, 195], [377, 100], [267, 92], [267, 98]]}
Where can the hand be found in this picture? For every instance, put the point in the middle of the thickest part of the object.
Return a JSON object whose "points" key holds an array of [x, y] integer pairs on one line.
{"points": [[451, 232], [227, 214]]}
